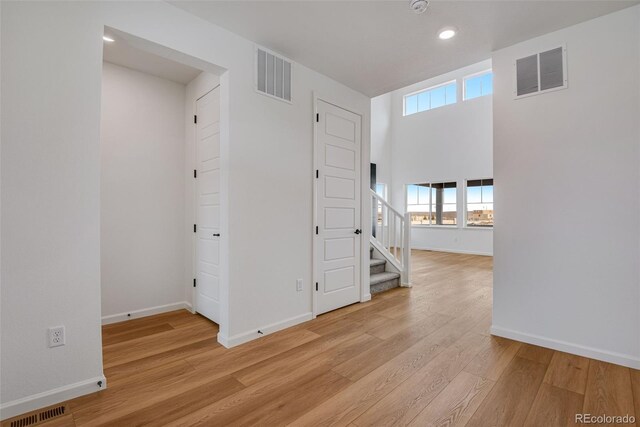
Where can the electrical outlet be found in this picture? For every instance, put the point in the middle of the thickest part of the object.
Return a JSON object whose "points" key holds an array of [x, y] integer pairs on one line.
{"points": [[56, 336], [299, 285]]}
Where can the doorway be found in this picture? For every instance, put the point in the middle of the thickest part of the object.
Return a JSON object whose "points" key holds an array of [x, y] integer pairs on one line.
{"points": [[207, 174], [338, 224], [162, 192]]}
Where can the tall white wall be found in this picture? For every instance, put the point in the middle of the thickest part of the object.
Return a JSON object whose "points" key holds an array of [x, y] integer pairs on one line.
{"points": [[567, 169], [451, 143], [381, 139], [142, 154], [50, 272]]}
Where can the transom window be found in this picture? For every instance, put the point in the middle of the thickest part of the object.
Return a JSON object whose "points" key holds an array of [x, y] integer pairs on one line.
{"points": [[432, 203], [428, 99], [478, 85], [480, 203]]}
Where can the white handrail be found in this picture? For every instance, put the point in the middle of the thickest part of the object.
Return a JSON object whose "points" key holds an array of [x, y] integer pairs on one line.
{"points": [[391, 236]]}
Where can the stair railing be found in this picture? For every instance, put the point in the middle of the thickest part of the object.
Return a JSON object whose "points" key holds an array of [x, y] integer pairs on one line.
{"points": [[391, 236]]}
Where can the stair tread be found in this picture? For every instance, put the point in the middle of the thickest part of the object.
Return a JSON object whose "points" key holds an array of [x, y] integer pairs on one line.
{"points": [[382, 277], [373, 262]]}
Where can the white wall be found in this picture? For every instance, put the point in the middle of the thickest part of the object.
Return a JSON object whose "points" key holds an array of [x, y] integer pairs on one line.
{"points": [[142, 154], [51, 84], [381, 139], [451, 143], [567, 169]]}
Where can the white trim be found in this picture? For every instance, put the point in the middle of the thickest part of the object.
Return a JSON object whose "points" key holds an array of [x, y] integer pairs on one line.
{"points": [[244, 337], [144, 312], [51, 397], [593, 353], [454, 251]]}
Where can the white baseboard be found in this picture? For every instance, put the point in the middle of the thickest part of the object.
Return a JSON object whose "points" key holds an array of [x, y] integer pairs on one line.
{"points": [[453, 251], [367, 297], [51, 397], [593, 353], [136, 314], [244, 337]]}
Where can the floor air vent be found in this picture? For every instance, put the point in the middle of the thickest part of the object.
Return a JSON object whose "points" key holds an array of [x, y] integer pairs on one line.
{"points": [[35, 418]]}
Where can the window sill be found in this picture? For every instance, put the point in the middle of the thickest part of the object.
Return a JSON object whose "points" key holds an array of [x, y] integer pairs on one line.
{"points": [[467, 227]]}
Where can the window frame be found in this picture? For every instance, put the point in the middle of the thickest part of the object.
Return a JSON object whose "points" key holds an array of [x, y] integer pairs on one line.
{"points": [[471, 76], [433, 225], [466, 207], [404, 97]]}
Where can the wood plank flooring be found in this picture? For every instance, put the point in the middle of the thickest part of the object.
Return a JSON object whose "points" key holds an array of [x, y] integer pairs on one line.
{"points": [[421, 356]]}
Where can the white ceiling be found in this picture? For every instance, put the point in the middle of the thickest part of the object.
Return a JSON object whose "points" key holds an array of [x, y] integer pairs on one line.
{"points": [[122, 52], [379, 46]]}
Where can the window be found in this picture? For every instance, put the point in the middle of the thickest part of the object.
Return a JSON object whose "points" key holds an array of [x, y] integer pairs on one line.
{"points": [[431, 98], [381, 190], [432, 204], [480, 203], [478, 85]]}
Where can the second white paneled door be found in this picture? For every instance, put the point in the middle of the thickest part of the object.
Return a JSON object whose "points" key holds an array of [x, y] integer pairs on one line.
{"points": [[207, 301], [338, 233]]}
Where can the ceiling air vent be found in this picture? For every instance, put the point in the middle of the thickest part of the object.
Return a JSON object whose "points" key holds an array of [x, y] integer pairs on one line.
{"points": [[542, 72], [273, 75]]}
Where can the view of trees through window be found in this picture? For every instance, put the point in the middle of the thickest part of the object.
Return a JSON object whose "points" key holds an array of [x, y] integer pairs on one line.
{"points": [[432, 203], [480, 203]]}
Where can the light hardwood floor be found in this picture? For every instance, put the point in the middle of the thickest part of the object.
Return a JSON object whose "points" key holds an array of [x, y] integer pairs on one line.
{"points": [[421, 357]]}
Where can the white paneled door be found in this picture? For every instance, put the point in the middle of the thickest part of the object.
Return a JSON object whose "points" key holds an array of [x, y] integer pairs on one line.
{"points": [[208, 205], [338, 233]]}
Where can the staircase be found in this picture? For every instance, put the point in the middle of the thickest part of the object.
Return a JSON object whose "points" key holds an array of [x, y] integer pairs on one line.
{"points": [[391, 239], [380, 279]]}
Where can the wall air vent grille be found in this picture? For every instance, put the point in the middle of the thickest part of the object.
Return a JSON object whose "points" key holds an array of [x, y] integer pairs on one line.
{"points": [[273, 75], [36, 418], [541, 72]]}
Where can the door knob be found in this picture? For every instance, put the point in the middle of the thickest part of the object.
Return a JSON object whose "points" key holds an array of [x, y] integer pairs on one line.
{"points": [[358, 231], [216, 234]]}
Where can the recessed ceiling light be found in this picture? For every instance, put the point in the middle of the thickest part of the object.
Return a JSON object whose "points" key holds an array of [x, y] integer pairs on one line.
{"points": [[107, 39], [446, 33]]}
